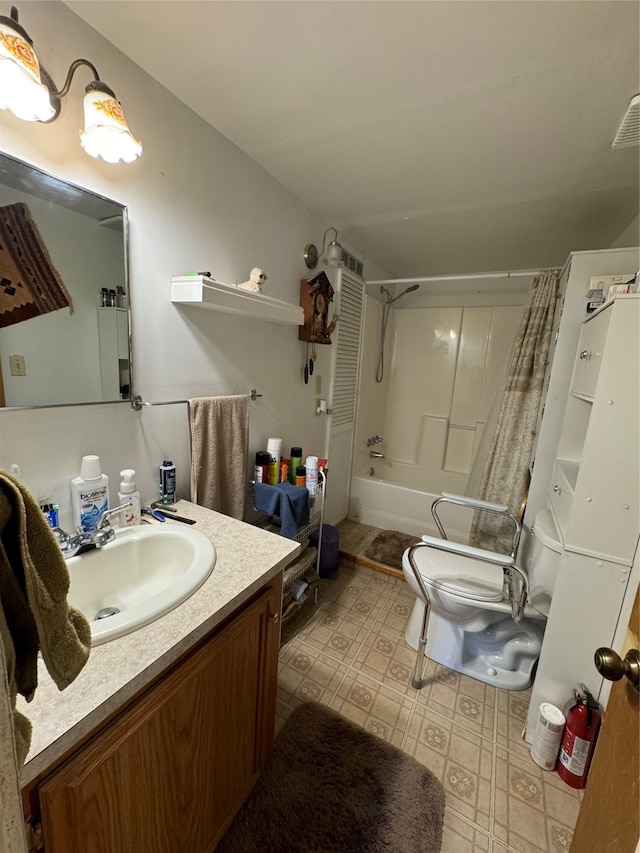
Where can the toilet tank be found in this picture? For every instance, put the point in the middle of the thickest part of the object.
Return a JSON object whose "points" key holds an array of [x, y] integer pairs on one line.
{"points": [[543, 560]]}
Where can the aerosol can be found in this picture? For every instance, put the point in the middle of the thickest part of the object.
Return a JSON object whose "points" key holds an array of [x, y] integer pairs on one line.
{"points": [[579, 739]]}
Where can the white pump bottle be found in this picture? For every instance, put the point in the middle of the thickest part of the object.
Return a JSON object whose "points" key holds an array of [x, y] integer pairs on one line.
{"points": [[128, 492]]}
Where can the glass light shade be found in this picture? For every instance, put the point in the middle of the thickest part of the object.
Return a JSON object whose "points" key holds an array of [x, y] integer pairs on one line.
{"points": [[106, 133], [334, 254], [21, 88]]}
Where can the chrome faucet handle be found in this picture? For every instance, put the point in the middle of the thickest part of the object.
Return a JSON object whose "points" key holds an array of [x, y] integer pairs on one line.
{"points": [[62, 536], [71, 545], [105, 518]]}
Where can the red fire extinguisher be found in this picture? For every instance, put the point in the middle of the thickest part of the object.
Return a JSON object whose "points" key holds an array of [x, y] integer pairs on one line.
{"points": [[579, 739]]}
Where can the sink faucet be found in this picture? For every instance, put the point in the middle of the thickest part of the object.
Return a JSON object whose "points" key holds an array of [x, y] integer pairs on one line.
{"points": [[104, 522], [89, 539]]}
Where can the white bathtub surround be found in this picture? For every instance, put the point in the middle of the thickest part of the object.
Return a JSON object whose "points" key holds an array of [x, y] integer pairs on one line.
{"points": [[444, 356], [378, 503], [247, 558]]}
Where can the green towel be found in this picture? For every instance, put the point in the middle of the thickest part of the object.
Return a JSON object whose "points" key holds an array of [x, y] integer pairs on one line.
{"points": [[34, 583]]}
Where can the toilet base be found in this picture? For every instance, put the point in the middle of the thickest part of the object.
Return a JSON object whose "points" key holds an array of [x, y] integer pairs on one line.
{"points": [[502, 654]]}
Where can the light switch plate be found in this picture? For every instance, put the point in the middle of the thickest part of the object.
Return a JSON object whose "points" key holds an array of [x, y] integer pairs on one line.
{"points": [[318, 384], [18, 365]]}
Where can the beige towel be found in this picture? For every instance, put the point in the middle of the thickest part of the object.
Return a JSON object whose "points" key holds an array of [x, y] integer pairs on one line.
{"points": [[219, 432], [34, 583]]}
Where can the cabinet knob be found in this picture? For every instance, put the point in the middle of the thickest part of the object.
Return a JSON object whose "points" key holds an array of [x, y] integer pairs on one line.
{"points": [[585, 354], [557, 489], [275, 618]]}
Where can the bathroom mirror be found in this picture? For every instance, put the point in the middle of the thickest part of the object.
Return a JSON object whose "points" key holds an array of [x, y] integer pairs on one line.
{"points": [[63, 340]]}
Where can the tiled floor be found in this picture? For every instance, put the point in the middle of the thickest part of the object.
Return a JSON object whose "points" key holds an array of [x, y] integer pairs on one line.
{"points": [[348, 652]]}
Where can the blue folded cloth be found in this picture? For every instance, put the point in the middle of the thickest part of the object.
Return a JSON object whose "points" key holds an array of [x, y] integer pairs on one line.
{"points": [[289, 503]]}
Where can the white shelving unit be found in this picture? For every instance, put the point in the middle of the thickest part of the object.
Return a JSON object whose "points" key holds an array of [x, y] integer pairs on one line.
{"points": [[595, 501], [217, 296], [579, 268]]}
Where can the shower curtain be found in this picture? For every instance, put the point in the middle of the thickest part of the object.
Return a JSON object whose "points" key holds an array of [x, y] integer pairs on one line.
{"points": [[506, 474]]}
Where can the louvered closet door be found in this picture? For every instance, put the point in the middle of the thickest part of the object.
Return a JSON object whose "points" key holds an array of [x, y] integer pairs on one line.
{"points": [[343, 394]]}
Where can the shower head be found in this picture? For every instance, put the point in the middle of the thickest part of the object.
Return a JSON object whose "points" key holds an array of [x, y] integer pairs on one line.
{"points": [[400, 295]]}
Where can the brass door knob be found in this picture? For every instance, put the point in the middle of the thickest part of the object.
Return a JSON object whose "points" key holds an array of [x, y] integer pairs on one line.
{"points": [[612, 667]]}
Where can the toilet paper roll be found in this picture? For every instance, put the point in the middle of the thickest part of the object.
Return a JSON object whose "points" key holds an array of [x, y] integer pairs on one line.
{"points": [[548, 736]]}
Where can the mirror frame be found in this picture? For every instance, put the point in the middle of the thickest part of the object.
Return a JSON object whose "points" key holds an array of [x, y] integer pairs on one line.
{"points": [[45, 186]]}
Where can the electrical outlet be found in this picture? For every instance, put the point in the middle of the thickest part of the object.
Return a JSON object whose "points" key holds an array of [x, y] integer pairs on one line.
{"points": [[18, 365], [318, 384]]}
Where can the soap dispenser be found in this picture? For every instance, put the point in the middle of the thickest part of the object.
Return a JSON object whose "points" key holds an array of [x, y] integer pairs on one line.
{"points": [[128, 493]]}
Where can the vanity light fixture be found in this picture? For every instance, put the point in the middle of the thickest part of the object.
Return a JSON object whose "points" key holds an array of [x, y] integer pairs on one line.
{"points": [[332, 257], [30, 94]]}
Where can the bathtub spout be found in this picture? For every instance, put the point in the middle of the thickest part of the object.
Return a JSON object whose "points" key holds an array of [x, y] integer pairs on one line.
{"points": [[374, 454]]}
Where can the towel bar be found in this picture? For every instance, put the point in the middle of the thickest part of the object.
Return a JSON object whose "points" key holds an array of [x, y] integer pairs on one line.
{"points": [[137, 403]]}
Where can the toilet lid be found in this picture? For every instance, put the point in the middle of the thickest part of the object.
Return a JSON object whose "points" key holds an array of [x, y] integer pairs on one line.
{"points": [[467, 576]]}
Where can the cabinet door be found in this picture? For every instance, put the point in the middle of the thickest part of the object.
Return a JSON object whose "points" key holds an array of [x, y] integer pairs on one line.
{"points": [[590, 350], [169, 774]]}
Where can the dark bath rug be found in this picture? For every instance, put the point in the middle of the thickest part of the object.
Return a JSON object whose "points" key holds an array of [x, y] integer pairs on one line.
{"points": [[331, 787], [388, 548]]}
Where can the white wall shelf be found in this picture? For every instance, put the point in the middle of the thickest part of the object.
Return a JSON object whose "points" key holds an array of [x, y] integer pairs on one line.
{"points": [[217, 296]]}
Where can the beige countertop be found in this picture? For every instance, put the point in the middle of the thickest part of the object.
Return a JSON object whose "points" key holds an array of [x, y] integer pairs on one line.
{"points": [[247, 557]]}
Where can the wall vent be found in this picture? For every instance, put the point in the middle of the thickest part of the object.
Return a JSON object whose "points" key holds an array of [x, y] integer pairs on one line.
{"points": [[629, 131], [352, 263]]}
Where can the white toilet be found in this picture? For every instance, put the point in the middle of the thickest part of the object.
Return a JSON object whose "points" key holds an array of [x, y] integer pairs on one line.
{"points": [[470, 627]]}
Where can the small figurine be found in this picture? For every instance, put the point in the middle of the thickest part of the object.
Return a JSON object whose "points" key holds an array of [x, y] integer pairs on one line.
{"points": [[256, 279]]}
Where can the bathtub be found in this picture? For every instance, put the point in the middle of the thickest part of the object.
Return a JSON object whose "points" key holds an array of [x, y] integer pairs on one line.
{"points": [[379, 503]]}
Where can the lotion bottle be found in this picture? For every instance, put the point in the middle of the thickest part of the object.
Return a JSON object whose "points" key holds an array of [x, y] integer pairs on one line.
{"points": [[128, 492], [89, 494]]}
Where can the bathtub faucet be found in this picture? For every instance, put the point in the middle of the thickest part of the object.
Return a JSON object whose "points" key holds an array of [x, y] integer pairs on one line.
{"points": [[374, 454], [375, 439]]}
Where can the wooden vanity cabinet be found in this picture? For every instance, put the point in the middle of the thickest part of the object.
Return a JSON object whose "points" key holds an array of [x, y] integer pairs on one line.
{"points": [[170, 772]]}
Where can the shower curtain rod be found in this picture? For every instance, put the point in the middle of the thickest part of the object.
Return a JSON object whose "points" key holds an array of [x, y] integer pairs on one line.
{"points": [[461, 277]]}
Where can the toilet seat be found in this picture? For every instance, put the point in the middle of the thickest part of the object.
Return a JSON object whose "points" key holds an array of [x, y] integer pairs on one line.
{"points": [[474, 579]]}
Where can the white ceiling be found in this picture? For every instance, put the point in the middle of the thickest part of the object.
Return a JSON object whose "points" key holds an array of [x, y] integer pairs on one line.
{"points": [[437, 137]]}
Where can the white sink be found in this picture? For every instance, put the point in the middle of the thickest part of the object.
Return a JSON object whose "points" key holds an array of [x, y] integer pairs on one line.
{"points": [[144, 573]]}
